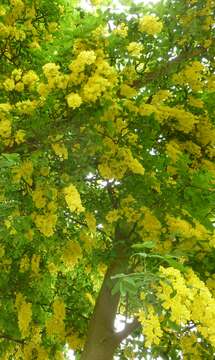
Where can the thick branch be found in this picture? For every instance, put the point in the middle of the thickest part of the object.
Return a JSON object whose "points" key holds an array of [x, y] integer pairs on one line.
{"points": [[129, 328], [9, 338], [168, 67]]}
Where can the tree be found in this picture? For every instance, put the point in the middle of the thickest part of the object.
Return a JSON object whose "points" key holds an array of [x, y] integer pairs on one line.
{"points": [[107, 180]]}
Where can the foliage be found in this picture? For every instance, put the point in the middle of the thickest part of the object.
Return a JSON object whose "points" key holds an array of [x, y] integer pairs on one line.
{"points": [[107, 157]]}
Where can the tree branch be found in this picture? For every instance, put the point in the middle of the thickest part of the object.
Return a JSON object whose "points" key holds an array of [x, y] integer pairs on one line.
{"points": [[167, 68], [129, 328], [9, 338]]}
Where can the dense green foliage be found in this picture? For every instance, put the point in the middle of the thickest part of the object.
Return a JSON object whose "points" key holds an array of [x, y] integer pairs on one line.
{"points": [[107, 164]]}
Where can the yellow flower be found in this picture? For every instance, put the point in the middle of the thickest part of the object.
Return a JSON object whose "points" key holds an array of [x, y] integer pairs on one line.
{"points": [[46, 223], [24, 317], [135, 49], [127, 91], [121, 30], [135, 166], [29, 78], [24, 264], [60, 150], [87, 57], [35, 264], [173, 150], [91, 221], [19, 86], [17, 74], [26, 106], [51, 70], [20, 136], [74, 342], [112, 216], [5, 107], [5, 128], [71, 254], [150, 24], [73, 199], [24, 171], [74, 100], [151, 327], [9, 84]]}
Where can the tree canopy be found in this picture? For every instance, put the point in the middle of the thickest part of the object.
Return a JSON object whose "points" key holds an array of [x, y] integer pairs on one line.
{"points": [[107, 179]]}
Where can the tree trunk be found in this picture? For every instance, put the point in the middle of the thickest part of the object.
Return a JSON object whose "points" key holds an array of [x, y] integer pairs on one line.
{"points": [[101, 339]]}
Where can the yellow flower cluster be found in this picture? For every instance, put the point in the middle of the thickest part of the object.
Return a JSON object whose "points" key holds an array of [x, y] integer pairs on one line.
{"points": [[35, 264], [72, 253], [112, 216], [91, 222], [5, 128], [188, 298], [60, 150], [20, 136], [180, 304], [185, 119], [103, 78], [190, 347], [9, 84], [55, 325], [26, 107], [151, 326], [150, 24], [24, 314], [173, 150], [203, 309], [122, 161], [205, 132], [18, 80], [24, 264], [149, 227], [51, 70], [191, 76], [74, 100], [135, 49], [195, 102], [39, 198], [73, 199], [54, 77], [160, 97], [95, 86], [75, 342], [29, 78], [184, 229], [45, 223], [127, 91], [25, 171], [181, 119], [85, 57], [121, 30]]}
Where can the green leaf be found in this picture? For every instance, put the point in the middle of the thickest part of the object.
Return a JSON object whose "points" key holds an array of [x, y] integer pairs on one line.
{"points": [[146, 244]]}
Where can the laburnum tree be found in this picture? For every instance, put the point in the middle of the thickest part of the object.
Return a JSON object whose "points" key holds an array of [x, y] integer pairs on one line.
{"points": [[107, 180]]}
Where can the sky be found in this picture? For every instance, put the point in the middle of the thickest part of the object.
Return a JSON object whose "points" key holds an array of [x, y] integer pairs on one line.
{"points": [[86, 5]]}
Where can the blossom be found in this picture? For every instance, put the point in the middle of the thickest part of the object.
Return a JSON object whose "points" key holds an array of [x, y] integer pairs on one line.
{"points": [[74, 100], [150, 24], [46, 223], [29, 78], [9, 84], [135, 49], [24, 317], [20, 136], [73, 199], [5, 128], [60, 150], [50, 70]]}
